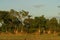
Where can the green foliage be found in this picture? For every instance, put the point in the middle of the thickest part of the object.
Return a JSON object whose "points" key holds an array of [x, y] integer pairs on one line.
{"points": [[53, 24], [13, 20]]}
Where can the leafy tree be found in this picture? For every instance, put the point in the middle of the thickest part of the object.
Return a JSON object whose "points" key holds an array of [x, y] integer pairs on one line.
{"points": [[53, 24], [22, 15], [13, 21], [41, 23], [3, 16], [30, 25]]}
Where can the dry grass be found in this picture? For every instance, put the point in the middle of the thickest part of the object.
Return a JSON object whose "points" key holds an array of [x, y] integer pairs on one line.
{"points": [[28, 37]]}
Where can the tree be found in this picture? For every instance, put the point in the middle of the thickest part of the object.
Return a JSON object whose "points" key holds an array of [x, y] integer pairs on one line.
{"points": [[30, 25], [16, 23], [22, 14], [42, 23], [4, 15], [53, 24]]}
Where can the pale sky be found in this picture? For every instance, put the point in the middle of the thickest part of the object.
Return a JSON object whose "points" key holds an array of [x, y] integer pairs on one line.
{"points": [[35, 7]]}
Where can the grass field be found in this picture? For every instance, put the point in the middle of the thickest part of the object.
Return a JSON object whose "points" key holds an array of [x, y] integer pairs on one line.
{"points": [[29, 37]]}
